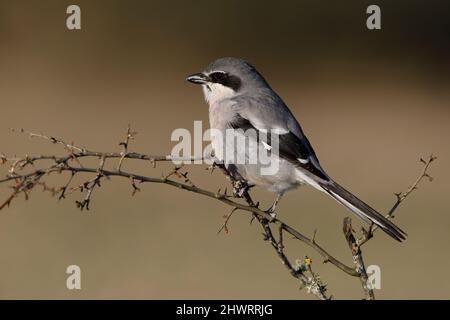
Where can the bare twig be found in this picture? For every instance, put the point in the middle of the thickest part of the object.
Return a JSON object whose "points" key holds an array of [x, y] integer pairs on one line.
{"points": [[367, 235], [224, 226], [312, 282], [130, 135], [357, 258], [355, 244]]}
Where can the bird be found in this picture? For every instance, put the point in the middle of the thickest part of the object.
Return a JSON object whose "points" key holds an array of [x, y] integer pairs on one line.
{"points": [[240, 99]]}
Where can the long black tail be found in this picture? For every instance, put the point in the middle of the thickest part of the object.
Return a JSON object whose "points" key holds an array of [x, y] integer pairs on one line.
{"points": [[362, 210]]}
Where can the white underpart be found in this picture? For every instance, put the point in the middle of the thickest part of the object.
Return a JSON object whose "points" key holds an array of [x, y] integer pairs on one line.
{"points": [[215, 92]]}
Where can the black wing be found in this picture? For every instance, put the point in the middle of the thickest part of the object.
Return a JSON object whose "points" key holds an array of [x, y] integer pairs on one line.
{"points": [[290, 147]]}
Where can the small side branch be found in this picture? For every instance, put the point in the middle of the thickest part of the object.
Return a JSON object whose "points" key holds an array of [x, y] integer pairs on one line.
{"points": [[355, 243], [358, 258], [400, 197]]}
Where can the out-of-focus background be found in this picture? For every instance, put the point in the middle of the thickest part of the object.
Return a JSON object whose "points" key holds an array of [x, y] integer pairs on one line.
{"points": [[371, 102]]}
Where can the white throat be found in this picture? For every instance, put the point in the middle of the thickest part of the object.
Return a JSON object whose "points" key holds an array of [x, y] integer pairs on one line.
{"points": [[216, 92]]}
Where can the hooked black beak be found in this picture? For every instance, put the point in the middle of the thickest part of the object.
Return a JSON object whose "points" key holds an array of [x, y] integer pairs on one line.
{"points": [[198, 78]]}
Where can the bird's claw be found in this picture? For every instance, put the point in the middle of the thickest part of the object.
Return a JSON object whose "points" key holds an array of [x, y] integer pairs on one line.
{"points": [[239, 188], [271, 212]]}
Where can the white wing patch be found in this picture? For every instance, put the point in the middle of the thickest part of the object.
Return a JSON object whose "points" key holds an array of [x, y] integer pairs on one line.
{"points": [[303, 161]]}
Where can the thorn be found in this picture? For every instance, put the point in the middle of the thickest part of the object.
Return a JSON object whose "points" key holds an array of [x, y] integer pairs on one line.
{"points": [[225, 223], [314, 236]]}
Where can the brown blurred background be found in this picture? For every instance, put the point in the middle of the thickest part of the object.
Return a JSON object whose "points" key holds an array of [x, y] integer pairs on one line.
{"points": [[371, 102]]}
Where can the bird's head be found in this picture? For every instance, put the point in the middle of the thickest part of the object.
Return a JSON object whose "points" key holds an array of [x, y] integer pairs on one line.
{"points": [[226, 78]]}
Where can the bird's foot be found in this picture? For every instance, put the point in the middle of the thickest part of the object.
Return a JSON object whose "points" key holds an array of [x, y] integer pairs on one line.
{"points": [[271, 212], [240, 188]]}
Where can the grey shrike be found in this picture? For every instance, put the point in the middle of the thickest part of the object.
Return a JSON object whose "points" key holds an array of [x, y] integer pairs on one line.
{"points": [[240, 98]]}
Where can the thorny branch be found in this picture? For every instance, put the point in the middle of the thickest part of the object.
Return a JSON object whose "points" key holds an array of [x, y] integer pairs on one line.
{"points": [[401, 196], [358, 260], [24, 183], [302, 269], [356, 244]]}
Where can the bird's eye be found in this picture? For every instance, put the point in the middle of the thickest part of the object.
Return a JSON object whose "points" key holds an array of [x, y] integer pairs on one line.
{"points": [[218, 77]]}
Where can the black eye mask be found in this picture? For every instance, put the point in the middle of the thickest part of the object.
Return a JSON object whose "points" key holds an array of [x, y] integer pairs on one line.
{"points": [[226, 80]]}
